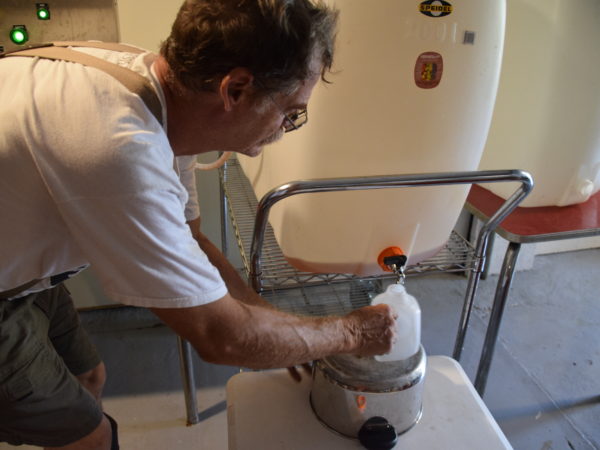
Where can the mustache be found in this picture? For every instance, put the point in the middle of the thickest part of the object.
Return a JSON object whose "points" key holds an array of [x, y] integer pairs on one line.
{"points": [[273, 138]]}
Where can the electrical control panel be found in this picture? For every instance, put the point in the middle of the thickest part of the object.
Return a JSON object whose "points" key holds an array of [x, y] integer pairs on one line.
{"points": [[25, 22]]}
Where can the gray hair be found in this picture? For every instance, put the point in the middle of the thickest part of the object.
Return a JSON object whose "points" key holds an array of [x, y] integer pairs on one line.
{"points": [[274, 39]]}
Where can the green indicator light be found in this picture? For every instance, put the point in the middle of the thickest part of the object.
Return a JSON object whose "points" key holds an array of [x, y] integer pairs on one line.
{"points": [[43, 11], [19, 34]]}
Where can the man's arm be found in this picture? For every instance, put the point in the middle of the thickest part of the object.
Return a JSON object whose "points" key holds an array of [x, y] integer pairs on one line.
{"points": [[239, 330], [230, 332]]}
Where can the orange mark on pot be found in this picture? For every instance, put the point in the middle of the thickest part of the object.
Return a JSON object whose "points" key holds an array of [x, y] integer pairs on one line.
{"points": [[361, 402]]}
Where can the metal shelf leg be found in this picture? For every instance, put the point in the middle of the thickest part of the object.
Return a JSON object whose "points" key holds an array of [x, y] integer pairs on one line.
{"points": [[224, 212], [459, 342], [189, 383], [504, 282]]}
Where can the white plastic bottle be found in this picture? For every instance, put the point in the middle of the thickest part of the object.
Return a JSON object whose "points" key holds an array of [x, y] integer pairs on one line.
{"points": [[407, 337]]}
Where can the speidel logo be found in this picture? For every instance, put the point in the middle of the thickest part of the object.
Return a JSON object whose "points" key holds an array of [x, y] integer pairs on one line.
{"points": [[435, 8]]}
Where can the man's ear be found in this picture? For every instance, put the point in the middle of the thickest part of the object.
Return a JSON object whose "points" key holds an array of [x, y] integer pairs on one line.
{"points": [[235, 86]]}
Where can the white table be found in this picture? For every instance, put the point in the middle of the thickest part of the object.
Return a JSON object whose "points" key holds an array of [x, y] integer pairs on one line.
{"points": [[269, 411]]}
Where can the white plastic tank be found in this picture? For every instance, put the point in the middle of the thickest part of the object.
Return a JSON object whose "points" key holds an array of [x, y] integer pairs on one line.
{"points": [[413, 89], [547, 114]]}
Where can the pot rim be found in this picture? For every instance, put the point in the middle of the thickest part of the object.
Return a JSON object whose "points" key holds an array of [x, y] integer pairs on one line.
{"points": [[405, 380]]}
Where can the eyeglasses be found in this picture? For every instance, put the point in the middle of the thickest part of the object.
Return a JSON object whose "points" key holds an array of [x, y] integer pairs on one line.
{"points": [[292, 121]]}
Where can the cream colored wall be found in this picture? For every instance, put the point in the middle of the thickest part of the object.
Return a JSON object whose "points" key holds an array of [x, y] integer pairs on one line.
{"points": [[147, 23]]}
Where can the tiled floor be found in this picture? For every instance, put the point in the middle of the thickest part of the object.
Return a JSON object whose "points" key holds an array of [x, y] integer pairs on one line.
{"points": [[544, 388]]}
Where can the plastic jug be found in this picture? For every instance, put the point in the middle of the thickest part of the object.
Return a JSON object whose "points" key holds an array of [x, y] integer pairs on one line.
{"points": [[407, 338], [412, 91]]}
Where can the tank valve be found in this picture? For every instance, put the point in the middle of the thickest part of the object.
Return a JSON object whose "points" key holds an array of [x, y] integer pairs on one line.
{"points": [[393, 259]]}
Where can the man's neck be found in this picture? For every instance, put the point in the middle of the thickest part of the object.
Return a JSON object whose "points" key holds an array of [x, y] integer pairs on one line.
{"points": [[190, 117]]}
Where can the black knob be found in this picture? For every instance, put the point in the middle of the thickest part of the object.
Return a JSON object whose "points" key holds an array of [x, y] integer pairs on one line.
{"points": [[397, 260], [377, 434]]}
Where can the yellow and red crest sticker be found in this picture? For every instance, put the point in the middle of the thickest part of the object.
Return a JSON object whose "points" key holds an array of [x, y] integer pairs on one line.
{"points": [[428, 70]]}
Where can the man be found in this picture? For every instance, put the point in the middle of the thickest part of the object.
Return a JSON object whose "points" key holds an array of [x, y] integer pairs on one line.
{"points": [[89, 176]]}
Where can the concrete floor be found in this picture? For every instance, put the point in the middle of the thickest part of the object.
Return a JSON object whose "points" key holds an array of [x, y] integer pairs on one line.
{"points": [[544, 387]]}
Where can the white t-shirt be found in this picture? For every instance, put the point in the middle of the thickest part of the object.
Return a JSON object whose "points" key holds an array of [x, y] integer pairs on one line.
{"points": [[87, 176]]}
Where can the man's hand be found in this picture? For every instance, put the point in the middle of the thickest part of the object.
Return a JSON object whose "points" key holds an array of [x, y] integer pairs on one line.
{"points": [[373, 327]]}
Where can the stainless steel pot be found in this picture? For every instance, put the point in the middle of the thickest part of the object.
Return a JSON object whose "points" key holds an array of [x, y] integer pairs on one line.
{"points": [[348, 390]]}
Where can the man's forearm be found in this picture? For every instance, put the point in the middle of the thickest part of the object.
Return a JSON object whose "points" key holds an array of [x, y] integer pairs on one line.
{"points": [[275, 339], [230, 332]]}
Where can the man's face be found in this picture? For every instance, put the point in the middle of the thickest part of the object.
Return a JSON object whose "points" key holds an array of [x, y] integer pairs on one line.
{"points": [[264, 121]]}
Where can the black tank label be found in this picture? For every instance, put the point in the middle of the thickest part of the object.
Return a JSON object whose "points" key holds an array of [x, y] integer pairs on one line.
{"points": [[435, 8]]}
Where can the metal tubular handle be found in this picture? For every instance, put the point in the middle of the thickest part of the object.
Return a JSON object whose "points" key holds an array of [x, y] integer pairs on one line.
{"points": [[480, 250], [384, 182]]}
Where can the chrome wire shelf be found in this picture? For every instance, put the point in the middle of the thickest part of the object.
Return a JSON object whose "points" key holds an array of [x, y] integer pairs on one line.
{"points": [[317, 293]]}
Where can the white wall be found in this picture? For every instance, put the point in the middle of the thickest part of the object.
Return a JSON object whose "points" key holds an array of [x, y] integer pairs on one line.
{"points": [[147, 23]]}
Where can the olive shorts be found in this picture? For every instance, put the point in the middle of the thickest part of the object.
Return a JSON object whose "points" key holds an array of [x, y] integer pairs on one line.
{"points": [[42, 348]]}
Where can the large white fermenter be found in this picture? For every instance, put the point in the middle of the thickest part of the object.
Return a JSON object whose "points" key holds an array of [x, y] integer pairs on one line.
{"points": [[547, 115], [413, 91]]}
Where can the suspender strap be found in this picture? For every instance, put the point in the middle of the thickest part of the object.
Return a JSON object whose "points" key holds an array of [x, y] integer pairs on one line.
{"points": [[103, 45], [15, 291], [133, 81]]}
